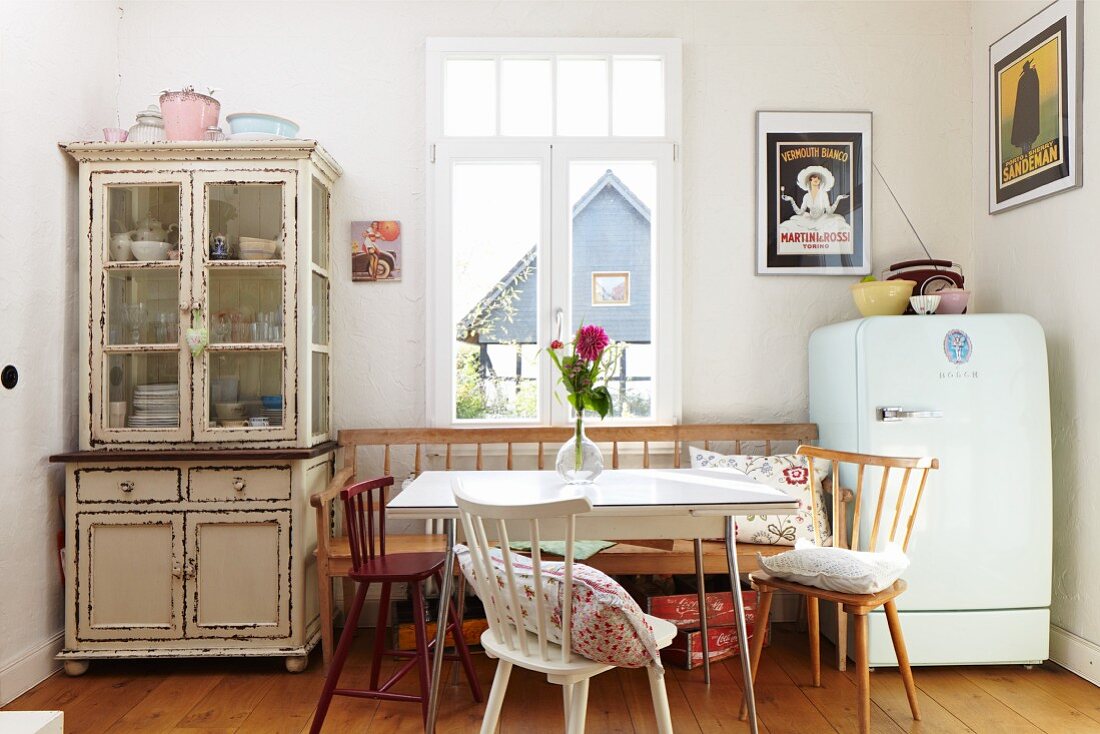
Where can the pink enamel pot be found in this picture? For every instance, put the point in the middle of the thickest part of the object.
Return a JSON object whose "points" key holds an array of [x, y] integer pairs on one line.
{"points": [[187, 114]]}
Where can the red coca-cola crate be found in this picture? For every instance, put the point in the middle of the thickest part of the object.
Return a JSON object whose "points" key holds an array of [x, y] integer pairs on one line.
{"points": [[722, 644], [683, 609]]}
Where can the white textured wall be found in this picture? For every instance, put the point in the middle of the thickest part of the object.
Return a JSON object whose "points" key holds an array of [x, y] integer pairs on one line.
{"points": [[1041, 259], [352, 74], [56, 83]]}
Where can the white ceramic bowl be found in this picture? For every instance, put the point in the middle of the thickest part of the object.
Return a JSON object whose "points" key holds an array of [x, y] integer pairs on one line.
{"points": [[924, 304], [259, 123], [255, 248], [149, 250], [229, 411]]}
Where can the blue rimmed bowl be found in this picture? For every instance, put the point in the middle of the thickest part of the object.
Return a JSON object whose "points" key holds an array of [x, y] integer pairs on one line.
{"points": [[272, 402], [259, 124]]}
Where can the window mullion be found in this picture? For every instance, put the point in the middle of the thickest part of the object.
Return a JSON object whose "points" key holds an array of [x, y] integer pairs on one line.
{"points": [[610, 60], [560, 269]]}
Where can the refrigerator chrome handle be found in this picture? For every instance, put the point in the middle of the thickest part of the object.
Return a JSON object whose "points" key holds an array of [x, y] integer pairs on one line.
{"points": [[892, 414]]}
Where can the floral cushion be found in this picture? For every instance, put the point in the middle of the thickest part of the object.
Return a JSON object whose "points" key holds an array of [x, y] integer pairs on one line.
{"points": [[787, 472], [608, 625]]}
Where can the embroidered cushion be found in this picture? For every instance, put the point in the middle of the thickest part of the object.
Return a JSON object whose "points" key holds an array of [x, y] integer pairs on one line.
{"points": [[838, 569], [789, 473], [608, 625]]}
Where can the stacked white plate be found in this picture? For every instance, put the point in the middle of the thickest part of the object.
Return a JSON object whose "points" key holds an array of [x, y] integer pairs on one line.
{"points": [[274, 415], [156, 406]]}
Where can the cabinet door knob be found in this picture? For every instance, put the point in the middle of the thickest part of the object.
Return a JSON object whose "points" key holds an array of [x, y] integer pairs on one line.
{"points": [[189, 569], [126, 486], [238, 484]]}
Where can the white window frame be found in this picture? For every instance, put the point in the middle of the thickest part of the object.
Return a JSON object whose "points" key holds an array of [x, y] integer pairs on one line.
{"points": [[555, 154]]}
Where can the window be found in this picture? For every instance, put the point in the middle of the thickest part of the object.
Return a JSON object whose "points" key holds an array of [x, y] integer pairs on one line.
{"points": [[553, 203]]}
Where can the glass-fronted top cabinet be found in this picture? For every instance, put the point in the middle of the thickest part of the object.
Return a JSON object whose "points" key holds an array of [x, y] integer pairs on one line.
{"points": [[204, 277]]}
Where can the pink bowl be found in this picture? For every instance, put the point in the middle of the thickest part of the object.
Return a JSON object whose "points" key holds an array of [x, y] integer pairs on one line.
{"points": [[952, 301], [187, 114]]}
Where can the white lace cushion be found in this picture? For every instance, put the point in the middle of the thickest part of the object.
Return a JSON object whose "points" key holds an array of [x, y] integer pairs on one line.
{"points": [[789, 473], [838, 569], [608, 625]]}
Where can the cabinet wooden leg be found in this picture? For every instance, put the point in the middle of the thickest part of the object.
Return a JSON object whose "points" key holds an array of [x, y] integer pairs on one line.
{"points": [[296, 663], [73, 668]]}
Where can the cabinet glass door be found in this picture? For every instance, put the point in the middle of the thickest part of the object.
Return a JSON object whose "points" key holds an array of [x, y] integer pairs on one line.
{"points": [[141, 377], [319, 403], [244, 280]]}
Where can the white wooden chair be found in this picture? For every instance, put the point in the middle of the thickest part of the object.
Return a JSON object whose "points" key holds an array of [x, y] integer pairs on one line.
{"points": [[512, 644]]}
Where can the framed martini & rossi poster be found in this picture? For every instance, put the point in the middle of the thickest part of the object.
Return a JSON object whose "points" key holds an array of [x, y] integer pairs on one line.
{"points": [[813, 193], [1035, 108]]}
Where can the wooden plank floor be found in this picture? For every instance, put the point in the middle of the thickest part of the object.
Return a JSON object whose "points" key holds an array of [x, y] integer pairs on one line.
{"points": [[256, 695]]}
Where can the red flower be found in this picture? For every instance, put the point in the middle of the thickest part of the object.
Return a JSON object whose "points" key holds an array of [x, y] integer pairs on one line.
{"points": [[796, 474], [591, 341], [556, 344]]}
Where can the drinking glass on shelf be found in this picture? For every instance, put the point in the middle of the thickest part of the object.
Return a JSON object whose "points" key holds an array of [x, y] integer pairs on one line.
{"points": [[223, 328], [161, 327], [135, 315]]}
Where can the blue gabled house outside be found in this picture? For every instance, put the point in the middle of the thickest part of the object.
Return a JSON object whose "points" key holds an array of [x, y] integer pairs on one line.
{"points": [[612, 281]]}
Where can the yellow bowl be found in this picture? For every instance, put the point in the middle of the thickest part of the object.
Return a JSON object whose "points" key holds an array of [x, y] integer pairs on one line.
{"points": [[883, 297]]}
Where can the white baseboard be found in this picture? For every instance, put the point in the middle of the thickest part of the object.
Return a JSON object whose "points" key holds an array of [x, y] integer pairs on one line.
{"points": [[1075, 654], [30, 669]]}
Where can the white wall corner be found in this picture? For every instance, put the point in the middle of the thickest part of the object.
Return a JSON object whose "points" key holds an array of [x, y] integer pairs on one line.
{"points": [[1075, 654], [29, 669]]}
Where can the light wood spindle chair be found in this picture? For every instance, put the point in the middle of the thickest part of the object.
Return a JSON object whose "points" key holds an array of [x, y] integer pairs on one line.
{"points": [[508, 640], [858, 605]]}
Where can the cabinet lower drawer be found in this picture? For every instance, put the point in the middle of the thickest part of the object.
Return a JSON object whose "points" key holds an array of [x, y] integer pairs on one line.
{"points": [[122, 484], [227, 484]]}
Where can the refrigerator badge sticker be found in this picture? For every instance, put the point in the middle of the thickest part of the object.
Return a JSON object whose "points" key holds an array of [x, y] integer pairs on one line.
{"points": [[957, 347]]}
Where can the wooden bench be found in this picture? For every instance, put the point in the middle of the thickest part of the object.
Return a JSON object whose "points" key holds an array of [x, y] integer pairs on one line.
{"points": [[409, 451]]}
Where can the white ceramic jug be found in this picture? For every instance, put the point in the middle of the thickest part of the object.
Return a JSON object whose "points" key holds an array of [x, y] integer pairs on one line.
{"points": [[120, 247]]}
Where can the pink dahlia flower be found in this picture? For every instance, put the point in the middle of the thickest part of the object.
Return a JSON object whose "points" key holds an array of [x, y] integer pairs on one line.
{"points": [[591, 341]]}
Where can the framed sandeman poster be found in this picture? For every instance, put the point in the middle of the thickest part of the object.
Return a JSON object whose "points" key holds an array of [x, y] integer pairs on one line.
{"points": [[813, 193], [1035, 108]]}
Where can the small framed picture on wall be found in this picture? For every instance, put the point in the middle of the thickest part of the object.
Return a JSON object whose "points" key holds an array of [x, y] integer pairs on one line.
{"points": [[813, 193], [1035, 108], [376, 250]]}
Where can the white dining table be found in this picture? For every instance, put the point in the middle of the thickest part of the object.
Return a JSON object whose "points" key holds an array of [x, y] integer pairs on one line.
{"points": [[627, 504]]}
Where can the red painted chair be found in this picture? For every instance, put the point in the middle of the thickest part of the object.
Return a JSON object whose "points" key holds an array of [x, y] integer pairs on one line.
{"points": [[369, 566]]}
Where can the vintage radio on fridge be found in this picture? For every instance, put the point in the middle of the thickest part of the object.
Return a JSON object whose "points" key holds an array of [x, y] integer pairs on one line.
{"points": [[931, 276]]}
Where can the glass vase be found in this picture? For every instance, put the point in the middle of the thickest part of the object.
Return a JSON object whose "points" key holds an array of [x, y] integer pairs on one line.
{"points": [[579, 459]]}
